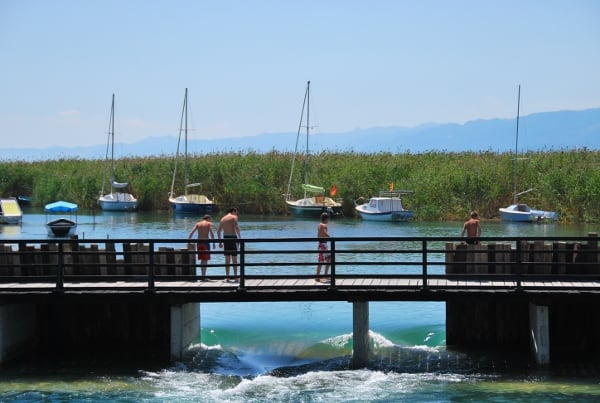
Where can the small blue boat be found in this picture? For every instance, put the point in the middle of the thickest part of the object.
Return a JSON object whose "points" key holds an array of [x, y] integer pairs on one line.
{"points": [[62, 227]]}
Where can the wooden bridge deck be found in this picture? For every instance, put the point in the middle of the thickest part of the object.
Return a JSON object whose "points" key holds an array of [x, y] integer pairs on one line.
{"points": [[293, 289], [433, 269]]}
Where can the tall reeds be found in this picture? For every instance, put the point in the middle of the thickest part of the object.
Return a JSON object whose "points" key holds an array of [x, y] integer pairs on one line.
{"points": [[446, 185]]}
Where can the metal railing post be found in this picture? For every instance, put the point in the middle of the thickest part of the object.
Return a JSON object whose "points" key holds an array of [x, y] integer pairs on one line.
{"points": [[151, 285], [242, 264], [519, 261], [60, 270], [332, 266], [424, 252]]}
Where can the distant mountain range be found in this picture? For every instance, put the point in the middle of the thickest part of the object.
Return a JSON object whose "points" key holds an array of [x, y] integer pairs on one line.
{"points": [[563, 130]]}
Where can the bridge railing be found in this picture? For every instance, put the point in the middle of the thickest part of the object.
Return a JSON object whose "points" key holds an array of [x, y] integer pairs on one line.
{"points": [[49, 264]]}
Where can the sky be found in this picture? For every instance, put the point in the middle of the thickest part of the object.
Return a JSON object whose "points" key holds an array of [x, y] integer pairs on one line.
{"points": [[246, 63]]}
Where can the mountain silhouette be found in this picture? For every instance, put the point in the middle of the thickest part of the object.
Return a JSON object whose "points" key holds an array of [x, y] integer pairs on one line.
{"points": [[547, 131]]}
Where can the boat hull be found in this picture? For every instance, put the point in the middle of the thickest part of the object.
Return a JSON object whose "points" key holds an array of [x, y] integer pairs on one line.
{"points": [[118, 202], [390, 216], [61, 227], [192, 204], [312, 207], [523, 213]]}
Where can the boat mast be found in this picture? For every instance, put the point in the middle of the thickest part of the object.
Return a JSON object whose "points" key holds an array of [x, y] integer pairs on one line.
{"points": [[181, 125], [111, 130], [288, 194], [112, 141], [306, 165], [516, 147], [185, 161]]}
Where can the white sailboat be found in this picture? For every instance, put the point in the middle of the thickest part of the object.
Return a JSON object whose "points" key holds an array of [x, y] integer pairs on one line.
{"points": [[116, 199], [521, 212], [314, 201], [187, 202]]}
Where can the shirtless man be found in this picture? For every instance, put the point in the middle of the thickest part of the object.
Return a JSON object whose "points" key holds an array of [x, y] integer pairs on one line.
{"points": [[324, 255], [472, 228], [205, 233], [231, 231]]}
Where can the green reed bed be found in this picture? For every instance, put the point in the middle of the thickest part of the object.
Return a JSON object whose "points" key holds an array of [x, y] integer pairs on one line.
{"points": [[446, 185]]}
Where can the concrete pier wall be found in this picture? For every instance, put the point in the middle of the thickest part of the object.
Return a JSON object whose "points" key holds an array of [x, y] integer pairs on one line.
{"points": [[185, 328]]}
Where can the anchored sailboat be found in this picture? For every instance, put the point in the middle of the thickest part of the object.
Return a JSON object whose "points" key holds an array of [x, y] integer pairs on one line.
{"points": [[116, 200], [521, 212], [188, 202], [314, 201]]}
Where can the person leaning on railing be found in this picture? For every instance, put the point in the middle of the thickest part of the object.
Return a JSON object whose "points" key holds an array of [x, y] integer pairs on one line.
{"points": [[472, 228]]}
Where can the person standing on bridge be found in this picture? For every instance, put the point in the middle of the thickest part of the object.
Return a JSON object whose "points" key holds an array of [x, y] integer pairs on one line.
{"points": [[205, 232], [324, 254], [472, 228], [231, 231]]}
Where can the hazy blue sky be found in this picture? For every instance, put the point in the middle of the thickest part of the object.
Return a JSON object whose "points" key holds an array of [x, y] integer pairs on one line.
{"points": [[246, 63]]}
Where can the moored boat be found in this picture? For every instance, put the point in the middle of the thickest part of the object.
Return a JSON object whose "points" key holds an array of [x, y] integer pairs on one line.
{"points": [[315, 201], [116, 199], [62, 226], [10, 211], [521, 212], [385, 207], [187, 202]]}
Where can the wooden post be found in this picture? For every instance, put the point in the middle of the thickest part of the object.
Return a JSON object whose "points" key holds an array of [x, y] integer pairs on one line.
{"points": [[360, 333]]}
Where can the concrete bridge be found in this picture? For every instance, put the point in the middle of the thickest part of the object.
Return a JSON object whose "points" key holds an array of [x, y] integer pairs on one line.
{"points": [[140, 298]]}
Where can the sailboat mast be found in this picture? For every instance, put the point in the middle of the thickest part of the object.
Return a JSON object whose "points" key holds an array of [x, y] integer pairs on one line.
{"points": [[307, 131], [185, 163], [112, 141], [288, 194], [181, 128], [516, 146]]}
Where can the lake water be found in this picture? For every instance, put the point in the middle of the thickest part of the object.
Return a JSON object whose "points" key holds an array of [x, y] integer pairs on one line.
{"points": [[299, 352]]}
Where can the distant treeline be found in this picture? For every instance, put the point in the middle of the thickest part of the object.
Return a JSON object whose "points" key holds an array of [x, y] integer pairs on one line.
{"points": [[446, 185]]}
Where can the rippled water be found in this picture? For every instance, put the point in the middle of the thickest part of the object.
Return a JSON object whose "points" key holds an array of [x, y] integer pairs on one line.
{"points": [[300, 352]]}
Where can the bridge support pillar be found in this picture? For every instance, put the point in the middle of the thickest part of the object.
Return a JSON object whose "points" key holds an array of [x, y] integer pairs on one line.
{"points": [[185, 327], [540, 332], [17, 330], [360, 333]]}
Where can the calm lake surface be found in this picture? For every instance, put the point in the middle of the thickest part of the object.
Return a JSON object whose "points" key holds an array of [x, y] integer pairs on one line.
{"points": [[299, 352]]}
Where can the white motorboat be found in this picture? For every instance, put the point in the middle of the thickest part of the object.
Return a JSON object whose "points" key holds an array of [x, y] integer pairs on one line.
{"points": [[385, 207]]}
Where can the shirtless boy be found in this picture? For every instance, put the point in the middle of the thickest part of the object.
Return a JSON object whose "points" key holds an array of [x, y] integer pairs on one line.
{"points": [[472, 228], [205, 233], [231, 231], [324, 255]]}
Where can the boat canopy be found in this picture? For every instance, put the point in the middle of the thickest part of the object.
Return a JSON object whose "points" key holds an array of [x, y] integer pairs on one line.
{"points": [[119, 185], [312, 188], [394, 193], [61, 207]]}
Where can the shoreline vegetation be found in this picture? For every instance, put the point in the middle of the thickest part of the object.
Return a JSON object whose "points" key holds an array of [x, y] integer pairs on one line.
{"points": [[446, 186]]}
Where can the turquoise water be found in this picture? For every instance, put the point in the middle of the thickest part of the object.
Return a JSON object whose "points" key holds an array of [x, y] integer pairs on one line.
{"points": [[299, 352]]}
